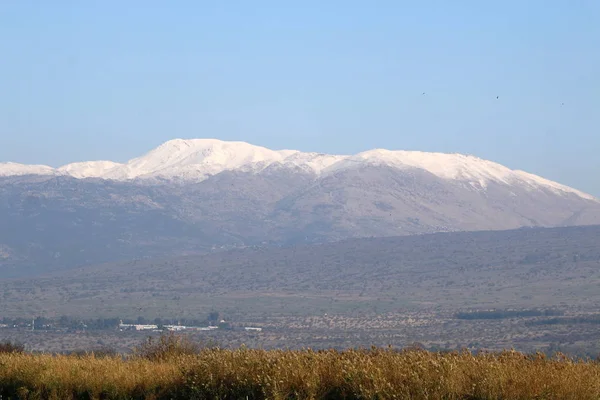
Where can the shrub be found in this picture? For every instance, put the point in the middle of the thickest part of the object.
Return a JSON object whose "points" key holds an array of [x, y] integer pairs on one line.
{"points": [[11, 347], [166, 347], [101, 352]]}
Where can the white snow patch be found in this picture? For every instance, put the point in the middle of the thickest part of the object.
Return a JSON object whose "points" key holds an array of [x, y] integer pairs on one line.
{"points": [[15, 169], [197, 159], [312, 162], [539, 182], [447, 166], [89, 169]]}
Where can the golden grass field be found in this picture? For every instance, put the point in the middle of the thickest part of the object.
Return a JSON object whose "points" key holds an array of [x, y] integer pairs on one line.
{"points": [[281, 374]]}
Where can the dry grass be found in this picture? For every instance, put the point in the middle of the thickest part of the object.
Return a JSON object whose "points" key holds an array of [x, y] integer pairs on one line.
{"points": [[380, 374], [257, 374], [28, 376]]}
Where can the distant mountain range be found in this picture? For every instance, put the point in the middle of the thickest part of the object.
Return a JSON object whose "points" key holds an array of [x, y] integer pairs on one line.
{"points": [[199, 159], [190, 196]]}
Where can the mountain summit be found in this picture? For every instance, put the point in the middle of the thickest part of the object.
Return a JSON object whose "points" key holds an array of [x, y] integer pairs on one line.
{"points": [[198, 159]]}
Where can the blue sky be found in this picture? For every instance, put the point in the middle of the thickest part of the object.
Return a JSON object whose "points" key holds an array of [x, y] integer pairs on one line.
{"points": [[111, 80]]}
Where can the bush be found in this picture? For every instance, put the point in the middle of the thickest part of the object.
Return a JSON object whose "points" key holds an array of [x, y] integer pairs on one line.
{"points": [[166, 347], [101, 352], [10, 347]]}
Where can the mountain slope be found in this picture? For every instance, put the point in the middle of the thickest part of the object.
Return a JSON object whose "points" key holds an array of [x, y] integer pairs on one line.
{"points": [[530, 268]]}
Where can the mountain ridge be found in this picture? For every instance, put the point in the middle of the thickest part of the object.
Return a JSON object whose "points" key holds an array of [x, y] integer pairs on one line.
{"points": [[197, 159], [57, 222]]}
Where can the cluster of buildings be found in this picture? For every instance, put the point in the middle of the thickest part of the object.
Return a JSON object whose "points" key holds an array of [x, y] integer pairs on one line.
{"points": [[137, 327], [176, 328], [155, 328], [173, 328]]}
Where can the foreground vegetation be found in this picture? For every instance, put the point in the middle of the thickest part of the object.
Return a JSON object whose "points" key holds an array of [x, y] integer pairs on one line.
{"points": [[172, 368]]}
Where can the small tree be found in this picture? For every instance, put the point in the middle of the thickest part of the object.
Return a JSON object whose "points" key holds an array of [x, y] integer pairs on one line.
{"points": [[213, 316]]}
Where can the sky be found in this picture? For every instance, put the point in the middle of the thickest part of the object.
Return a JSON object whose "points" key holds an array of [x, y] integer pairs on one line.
{"points": [[512, 81]]}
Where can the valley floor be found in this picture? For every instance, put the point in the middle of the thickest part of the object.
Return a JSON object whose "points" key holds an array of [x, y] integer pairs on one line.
{"points": [[571, 330]]}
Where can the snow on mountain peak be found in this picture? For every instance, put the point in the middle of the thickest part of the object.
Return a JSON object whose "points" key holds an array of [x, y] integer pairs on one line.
{"points": [[456, 166], [89, 169], [15, 169], [196, 159], [205, 156], [443, 165], [312, 162], [536, 181]]}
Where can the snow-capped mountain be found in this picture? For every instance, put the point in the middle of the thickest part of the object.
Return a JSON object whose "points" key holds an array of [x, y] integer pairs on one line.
{"points": [[199, 195], [197, 159]]}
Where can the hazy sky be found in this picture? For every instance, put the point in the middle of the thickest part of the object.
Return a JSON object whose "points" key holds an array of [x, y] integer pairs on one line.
{"points": [[82, 80]]}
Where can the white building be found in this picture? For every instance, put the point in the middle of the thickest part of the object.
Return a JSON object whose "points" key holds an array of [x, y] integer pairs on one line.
{"points": [[136, 327]]}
